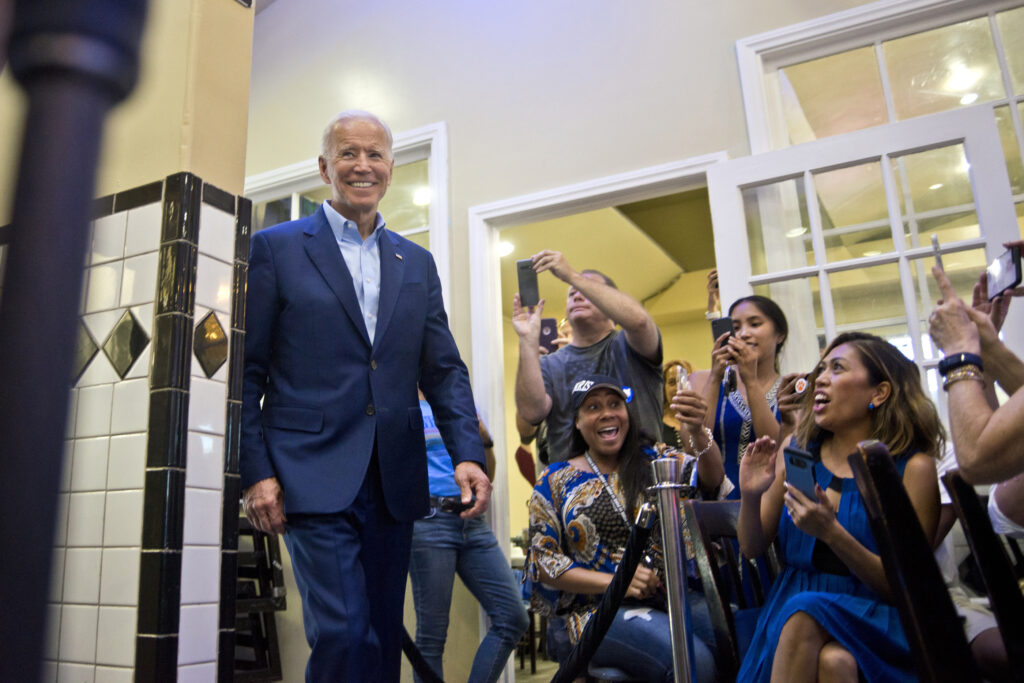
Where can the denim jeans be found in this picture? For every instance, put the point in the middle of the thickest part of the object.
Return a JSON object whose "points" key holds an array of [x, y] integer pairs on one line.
{"points": [[642, 645], [443, 544]]}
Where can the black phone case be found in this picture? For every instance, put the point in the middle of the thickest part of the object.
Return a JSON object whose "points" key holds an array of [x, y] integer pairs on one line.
{"points": [[529, 294], [800, 470], [720, 327]]}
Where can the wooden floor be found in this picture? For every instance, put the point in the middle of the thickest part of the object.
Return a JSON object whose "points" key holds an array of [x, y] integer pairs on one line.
{"points": [[545, 670]]}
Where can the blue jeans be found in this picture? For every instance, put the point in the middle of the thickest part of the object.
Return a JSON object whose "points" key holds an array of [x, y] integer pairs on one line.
{"points": [[642, 645], [443, 544]]}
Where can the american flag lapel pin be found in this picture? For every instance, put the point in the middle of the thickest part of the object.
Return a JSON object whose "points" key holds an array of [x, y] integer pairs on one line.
{"points": [[398, 256]]}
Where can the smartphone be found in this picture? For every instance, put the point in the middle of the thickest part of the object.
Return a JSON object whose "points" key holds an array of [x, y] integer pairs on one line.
{"points": [[938, 254], [682, 377], [720, 327], [800, 470], [529, 294], [548, 334], [1004, 272]]}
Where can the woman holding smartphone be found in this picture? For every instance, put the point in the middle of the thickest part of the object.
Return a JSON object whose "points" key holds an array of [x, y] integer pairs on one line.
{"points": [[746, 404], [828, 615], [581, 513]]}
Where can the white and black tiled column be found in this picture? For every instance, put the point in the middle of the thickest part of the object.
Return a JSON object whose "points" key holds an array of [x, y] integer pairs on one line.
{"points": [[144, 565]]}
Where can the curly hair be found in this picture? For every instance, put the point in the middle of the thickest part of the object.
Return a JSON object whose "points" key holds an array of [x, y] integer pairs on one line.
{"points": [[907, 422]]}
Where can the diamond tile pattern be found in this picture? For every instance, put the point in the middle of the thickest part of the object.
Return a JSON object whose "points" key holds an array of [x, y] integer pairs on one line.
{"points": [[125, 343], [85, 351], [211, 344]]}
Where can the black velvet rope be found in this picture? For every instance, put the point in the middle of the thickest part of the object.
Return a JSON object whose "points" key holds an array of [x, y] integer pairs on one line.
{"points": [[415, 658]]}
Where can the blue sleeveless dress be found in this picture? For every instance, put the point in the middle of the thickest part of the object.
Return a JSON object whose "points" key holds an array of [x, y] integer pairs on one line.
{"points": [[734, 429], [850, 611]]}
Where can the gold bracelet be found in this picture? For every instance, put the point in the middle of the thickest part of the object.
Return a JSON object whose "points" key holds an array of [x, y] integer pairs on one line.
{"points": [[693, 446], [961, 373]]}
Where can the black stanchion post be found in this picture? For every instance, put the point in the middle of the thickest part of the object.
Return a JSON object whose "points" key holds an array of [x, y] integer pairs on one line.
{"points": [[75, 60]]}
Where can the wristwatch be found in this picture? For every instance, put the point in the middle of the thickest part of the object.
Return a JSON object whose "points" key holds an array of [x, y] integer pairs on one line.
{"points": [[958, 360]]}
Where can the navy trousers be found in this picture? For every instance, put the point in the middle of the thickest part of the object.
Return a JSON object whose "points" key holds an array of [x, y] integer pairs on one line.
{"points": [[351, 568]]}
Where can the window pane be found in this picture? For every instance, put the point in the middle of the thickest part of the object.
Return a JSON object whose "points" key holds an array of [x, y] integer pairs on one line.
{"points": [[1011, 30], [854, 213], [936, 195], [271, 213], [962, 268], [1011, 150], [777, 226], [869, 300], [800, 300], [1020, 218], [832, 95], [421, 237], [943, 69]]}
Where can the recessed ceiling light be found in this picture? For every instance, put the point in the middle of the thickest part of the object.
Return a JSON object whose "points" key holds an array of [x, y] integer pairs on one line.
{"points": [[969, 98], [421, 197], [505, 248], [961, 78], [935, 186], [873, 252], [796, 232]]}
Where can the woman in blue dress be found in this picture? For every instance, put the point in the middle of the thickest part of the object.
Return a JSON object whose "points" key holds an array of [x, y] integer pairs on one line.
{"points": [[746, 405], [828, 615]]}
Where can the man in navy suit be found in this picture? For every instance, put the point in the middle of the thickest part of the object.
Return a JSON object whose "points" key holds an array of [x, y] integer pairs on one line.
{"points": [[344, 319]]}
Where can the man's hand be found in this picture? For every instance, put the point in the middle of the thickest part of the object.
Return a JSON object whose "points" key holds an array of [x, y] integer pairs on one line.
{"points": [[263, 503], [472, 480], [526, 321], [949, 325], [555, 262]]}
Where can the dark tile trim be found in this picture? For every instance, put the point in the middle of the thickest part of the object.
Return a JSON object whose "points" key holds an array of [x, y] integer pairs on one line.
{"points": [[239, 281], [226, 656], [181, 208], [159, 593], [163, 509], [156, 659], [218, 198], [168, 428], [103, 206], [228, 587], [243, 229], [232, 437], [172, 351], [138, 196], [236, 365], [176, 281], [229, 524]]}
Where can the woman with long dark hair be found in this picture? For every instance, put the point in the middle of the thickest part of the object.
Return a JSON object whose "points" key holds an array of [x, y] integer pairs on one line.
{"points": [[581, 512], [828, 616]]}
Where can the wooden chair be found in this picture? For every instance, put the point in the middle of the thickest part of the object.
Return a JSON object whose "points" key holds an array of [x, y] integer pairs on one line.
{"points": [[933, 630], [994, 564], [727, 576]]}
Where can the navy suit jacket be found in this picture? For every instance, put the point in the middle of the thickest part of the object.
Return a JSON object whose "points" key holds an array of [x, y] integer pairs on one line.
{"points": [[327, 393]]}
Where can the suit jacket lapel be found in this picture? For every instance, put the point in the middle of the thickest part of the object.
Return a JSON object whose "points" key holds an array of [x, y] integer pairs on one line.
{"points": [[323, 250], [392, 270]]}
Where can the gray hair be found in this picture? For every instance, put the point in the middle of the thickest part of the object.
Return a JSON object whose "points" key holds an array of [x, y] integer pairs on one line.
{"points": [[353, 115]]}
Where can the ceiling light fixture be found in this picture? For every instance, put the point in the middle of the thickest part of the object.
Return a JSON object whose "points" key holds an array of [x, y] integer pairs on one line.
{"points": [[873, 252], [961, 78], [969, 98], [505, 248], [796, 232], [935, 186], [421, 196]]}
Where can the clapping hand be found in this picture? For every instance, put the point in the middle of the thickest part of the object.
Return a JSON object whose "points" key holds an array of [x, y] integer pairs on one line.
{"points": [[757, 467]]}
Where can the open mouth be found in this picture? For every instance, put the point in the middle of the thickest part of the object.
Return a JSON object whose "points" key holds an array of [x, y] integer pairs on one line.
{"points": [[821, 401], [608, 433]]}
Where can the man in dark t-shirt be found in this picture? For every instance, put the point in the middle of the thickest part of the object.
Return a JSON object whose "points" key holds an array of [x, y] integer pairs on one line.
{"points": [[594, 308]]}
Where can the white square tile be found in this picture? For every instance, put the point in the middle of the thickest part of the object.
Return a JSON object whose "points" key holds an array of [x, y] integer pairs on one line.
{"points": [[89, 465], [115, 674], [119, 576], [123, 524], [108, 237], [115, 643], [197, 634], [144, 314], [138, 285], [200, 574], [130, 412], [126, 467], [53, 611], [49, 674], [213, 284], [78, 633], [140, 368], [69, 429], [75, 673], [65, 465], [82, 576], [198, 673], [207, 406], [143, 233], [202, 517], [205, 460], [57, 575], [216, 233], [104, 287], [85, 520], [60, 532], [98, 371], [93, 417]]}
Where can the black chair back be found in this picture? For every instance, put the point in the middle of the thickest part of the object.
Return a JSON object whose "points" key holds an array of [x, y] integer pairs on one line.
{"points": [[933, 630], [725, 573], [997, 571]]}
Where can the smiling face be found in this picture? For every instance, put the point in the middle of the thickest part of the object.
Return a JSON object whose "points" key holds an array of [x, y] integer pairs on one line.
{"points": [[358, 168], [843, 390], [755, 328], [603, 421]]}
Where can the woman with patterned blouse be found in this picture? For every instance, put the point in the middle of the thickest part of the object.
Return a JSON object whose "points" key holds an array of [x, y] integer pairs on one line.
{"points": [[580, 517]]}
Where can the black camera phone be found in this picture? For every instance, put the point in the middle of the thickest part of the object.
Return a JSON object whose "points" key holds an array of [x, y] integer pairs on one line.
{"points": [[548, 334], [529, 294], [800, 470], [720, 326]]}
